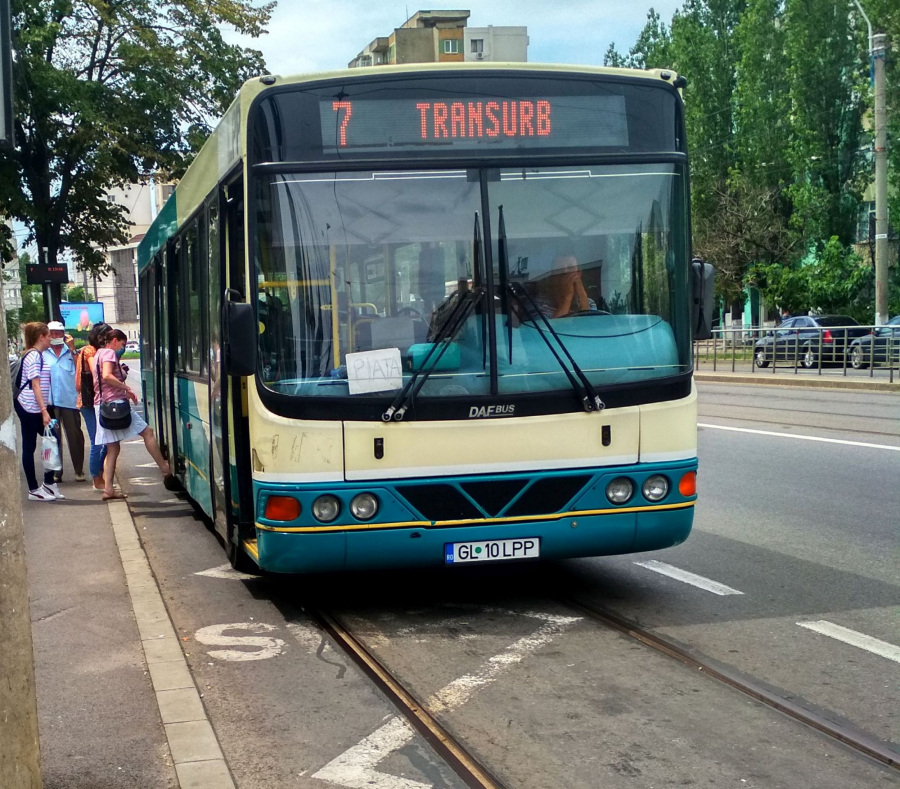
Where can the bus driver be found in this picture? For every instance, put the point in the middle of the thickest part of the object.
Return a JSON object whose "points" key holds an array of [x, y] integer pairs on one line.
{"points": [[562, 291]]}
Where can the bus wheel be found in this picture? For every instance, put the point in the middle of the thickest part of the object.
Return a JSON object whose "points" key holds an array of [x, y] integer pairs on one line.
{"points": [[238, 557]]}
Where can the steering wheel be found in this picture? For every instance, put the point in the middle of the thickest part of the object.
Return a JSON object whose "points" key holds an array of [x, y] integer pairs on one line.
{"points": [[412, 311], [586, 312]]}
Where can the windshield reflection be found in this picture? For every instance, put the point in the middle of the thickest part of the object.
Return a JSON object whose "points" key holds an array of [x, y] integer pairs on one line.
{"points": [[358, 263]]}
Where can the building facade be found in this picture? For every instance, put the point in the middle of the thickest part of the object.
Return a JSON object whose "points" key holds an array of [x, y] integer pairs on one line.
{"points": [[118, 290], [12, 283], [443, 37]]}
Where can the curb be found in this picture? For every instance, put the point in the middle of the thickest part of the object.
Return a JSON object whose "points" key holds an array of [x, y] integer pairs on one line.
{"points": [[196, 753], [814, 383]]}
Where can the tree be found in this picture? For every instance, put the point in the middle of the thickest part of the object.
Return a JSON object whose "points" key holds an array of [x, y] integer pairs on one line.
{"points": [[107, 92], [78, 294], [32, 295], [828, 79]]}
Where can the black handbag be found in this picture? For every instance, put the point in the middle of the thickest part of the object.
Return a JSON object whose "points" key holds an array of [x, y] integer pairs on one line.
{"points": [[115, 414]]}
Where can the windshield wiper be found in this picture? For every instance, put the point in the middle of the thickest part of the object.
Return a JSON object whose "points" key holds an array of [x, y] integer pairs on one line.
{"points": [[504, 282], [588, 396], [441, 341], [457, 319]]}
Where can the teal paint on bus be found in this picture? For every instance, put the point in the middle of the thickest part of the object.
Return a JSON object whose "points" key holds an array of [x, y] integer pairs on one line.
{"points": [[162, 229], [422, 546], [193, 443]]}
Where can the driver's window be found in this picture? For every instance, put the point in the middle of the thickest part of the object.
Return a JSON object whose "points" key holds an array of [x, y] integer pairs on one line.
{"points": [[786, 327]]}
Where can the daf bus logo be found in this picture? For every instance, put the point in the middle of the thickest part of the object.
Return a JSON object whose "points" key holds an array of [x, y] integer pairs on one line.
{"points": [[480, 412]]}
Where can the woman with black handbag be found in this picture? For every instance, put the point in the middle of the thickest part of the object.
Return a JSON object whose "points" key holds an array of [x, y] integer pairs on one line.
{"points": [[116, 420]]}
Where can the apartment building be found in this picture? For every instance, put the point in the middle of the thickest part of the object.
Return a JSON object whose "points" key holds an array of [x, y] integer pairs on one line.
{"points": [[444, 37]]}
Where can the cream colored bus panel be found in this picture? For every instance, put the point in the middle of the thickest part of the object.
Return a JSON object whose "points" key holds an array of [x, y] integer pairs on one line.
{"points": [[293, 450], [669, 430], [485, 446]]}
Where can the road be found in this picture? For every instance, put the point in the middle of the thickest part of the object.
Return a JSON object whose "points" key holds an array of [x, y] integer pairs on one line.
{"points": [[794, 548]]}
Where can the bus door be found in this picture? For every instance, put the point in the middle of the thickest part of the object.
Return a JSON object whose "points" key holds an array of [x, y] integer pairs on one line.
{"points": [[165, 316], [234, 410], [218, 416]]}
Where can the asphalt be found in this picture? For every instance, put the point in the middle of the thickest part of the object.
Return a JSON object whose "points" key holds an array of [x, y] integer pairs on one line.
{"points": [[805, 530]]}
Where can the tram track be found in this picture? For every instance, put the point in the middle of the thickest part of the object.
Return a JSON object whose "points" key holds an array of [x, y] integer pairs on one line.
{"points": [[449, 748], [475, 774], [845, 735]]}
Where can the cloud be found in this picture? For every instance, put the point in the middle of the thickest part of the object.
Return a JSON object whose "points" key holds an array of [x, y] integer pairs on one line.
{"points": [[320, 35]]}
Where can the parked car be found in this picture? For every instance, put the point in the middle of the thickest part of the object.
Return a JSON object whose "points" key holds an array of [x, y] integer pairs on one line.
{"points": [[132, 346], [874, 347], [809, 340]]}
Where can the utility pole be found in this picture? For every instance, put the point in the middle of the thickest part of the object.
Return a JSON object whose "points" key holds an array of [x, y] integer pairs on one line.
{"points": [[881, 202], [20, 755]]}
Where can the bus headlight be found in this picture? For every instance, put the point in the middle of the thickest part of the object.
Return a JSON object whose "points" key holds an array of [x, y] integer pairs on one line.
{"points": [[619, 490], [326, 508], [364, 506], [655, 488]]}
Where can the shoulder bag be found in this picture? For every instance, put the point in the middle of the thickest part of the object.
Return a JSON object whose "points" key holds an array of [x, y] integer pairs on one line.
{"points": [[115, 414]]}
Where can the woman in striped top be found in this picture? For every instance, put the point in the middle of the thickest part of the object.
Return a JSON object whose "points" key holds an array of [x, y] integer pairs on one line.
{"points": [[32, 398]]}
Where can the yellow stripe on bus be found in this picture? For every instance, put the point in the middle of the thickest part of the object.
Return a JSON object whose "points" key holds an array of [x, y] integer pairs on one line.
{"points": [[472, 521], [250, 547]]}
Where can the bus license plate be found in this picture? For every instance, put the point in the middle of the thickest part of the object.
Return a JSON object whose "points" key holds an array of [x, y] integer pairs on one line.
{"points": [[492, 550]]}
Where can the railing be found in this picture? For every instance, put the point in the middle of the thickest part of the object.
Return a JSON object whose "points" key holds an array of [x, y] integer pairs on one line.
{"points": [[802, 350]]}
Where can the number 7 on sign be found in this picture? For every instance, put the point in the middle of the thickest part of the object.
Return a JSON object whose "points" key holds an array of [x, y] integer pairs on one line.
{"points": [[348, 111]]}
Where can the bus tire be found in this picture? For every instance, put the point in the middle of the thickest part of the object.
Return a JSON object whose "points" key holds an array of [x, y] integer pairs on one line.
{"points": [[238, 557]]}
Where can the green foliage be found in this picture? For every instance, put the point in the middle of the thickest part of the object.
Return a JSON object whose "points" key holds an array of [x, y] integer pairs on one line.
{"points": [[78, 294], [836, 282], [776, 96], [32, 295], [108, 92]]}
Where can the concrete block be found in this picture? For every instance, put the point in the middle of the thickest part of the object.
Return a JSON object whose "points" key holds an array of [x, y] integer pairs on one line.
{"points": [[192, 741], [204, 775], [172, 675], [162, 650], [178, 706]]}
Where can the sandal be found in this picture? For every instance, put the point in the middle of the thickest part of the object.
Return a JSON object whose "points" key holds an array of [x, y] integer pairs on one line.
{"points": [[114, 496]]}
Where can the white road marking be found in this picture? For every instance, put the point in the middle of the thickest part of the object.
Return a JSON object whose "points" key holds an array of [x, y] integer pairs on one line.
{"points": [[145, 481], [307, 634], [689, 578], [870, 644], [227, 572], [269, 646], [355, 768], [801, 438]]}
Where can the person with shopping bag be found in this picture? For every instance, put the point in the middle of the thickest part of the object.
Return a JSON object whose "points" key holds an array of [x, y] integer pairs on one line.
{"points": [[117, 421], [32, 394], [62, 360]]}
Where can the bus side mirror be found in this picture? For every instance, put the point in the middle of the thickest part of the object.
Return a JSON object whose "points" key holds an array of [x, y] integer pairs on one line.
{"points": [[703, 298], [240, 336]]}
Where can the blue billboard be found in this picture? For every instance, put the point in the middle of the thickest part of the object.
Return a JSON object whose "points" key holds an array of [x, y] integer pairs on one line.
{"points": [[81, 317]]}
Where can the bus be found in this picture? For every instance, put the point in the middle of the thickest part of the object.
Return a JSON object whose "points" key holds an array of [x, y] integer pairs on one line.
{"points": [[431, 315]]}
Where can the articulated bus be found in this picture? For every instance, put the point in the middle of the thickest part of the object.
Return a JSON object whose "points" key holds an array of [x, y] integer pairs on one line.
{"points": [[431, 315]]}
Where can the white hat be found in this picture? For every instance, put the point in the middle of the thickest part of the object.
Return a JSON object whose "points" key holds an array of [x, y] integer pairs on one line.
{"points": [[56, 326]]}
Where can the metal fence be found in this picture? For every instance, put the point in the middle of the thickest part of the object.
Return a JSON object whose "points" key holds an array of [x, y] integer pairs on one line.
{"points": [[855, 351]]}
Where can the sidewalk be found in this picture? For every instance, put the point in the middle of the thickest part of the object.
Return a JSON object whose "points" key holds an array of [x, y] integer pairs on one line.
{"points": [[805, 379], [99, 721]]}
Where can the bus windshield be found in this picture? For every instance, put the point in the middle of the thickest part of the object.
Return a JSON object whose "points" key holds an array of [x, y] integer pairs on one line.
{"points": [[362, 262]]}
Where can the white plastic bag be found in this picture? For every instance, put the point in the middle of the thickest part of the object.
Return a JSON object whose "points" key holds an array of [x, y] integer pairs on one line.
{"points": [[50, 452]]}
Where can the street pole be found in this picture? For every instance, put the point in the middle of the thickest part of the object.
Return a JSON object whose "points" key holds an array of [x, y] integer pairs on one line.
{"points": [[20, 766], [881, 188]]}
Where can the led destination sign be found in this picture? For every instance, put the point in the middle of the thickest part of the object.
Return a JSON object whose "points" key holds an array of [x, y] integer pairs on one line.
{"points": [[355, 126]]}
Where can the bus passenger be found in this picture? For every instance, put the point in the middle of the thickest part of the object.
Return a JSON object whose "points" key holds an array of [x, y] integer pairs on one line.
{"points": [[62, 360], [109, 383], [32, 398], [84, 384]]}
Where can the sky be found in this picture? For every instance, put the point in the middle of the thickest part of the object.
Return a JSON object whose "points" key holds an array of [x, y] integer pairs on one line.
{"points": [[318, 35]]}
